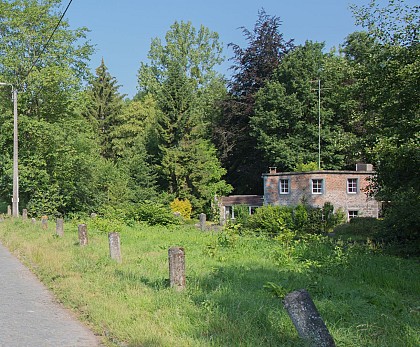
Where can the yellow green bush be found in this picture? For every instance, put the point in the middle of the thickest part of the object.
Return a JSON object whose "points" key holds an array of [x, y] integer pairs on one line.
{"points": [[184, 207]]}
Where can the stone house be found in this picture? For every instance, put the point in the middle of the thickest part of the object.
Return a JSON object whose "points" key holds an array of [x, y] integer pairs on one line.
{"points": [[346, 190], [227, 205]]}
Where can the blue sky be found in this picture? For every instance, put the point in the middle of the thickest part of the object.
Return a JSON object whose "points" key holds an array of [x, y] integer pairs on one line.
{"points": [[122, 30]]}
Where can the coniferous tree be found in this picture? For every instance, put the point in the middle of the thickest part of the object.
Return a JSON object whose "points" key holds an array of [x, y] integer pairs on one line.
{"points": [[181, 78], [104, 105]]}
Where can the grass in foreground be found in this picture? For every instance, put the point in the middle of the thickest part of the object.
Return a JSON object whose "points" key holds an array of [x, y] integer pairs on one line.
{"points": [[365, 298]]}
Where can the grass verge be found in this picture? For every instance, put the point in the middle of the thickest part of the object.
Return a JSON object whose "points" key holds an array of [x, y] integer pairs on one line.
{"points": [[366, 298]]}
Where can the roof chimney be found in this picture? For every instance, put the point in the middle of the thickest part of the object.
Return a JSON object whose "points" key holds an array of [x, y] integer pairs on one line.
{"points": [[272, 169], [364, 167]]}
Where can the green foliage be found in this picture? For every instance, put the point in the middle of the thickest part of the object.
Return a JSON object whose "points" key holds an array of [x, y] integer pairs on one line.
{"points": [[285, 222], [275, 289], [252, 68], [402, 221], [286, 120], [365, 297], [360, 228], [104, 104], [154, 214], [241, 214], [104, 225], [271, 220], [184, 207], [182, 80], [304, 167], [386, 62], [47, 202]]}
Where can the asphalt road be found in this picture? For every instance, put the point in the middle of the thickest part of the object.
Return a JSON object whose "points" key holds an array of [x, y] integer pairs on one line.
{"points": [[29, 314]]}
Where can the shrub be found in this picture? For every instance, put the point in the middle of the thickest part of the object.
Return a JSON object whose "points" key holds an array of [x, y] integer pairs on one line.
{"points": [[155, 214], [360, 227], [184, 207], [241, 213], [271, 220], [290, 221], [45, 202], [104, 225]]}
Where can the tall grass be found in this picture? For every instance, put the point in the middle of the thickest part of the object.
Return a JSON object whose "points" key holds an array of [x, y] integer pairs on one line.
{"points": [[366, 298]]}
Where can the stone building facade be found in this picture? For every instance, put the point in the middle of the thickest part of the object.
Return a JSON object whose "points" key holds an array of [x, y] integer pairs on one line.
{"points": [[227, 205], [346, 190]]}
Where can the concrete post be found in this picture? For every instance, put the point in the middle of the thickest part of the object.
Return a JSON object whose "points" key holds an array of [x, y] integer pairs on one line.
{"points": [[59, 227], [307, 320], [24, 214], [9, 210], [176, 256], [83, 237], [44, 222], [203, 218], [115, 246]]}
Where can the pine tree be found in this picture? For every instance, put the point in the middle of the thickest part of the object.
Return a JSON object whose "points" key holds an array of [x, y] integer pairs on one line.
{"points": [[104, 105]]}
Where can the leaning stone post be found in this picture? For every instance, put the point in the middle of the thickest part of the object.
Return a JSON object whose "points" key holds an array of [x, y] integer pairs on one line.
{"points": [[59, 227], [203, 218], [307, 320], [115, 246], [24, 214], [176, 256], [9, 210], [83, 237], [44, 222]]}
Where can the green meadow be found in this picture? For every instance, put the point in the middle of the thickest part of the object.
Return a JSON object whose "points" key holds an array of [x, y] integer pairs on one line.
{"points": [[234, 285]]}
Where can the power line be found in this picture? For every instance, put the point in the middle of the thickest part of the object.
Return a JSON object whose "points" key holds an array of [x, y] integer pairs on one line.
{"points": [[48, 41]]}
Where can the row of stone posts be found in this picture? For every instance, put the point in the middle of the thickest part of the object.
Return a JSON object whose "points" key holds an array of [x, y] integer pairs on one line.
{"points": [[298, 304], [176, 255]]}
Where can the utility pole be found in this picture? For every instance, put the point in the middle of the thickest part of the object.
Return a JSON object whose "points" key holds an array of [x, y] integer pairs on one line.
{"points": [[15, 197], [15, 201]]}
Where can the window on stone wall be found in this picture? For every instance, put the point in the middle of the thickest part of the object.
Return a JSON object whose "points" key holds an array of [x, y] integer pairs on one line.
{"points": [[284, 186], [317, 186], [352, 214], [352, 185]]}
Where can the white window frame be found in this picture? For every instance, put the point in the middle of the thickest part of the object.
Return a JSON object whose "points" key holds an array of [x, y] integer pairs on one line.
{"points": [[281, 186], [351, 187], [252, 209], [318, 189], [229, 211]]}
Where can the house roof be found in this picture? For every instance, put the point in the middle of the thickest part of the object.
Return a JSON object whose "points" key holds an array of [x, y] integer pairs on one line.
{"points": [[322, 172], [249, 200]]}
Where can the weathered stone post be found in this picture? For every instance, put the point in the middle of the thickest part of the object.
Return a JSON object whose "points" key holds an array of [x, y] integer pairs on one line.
{"points": [[9, 210], [59, 227], [203, 218], [33, 220], [307, 320], [44, 222], [176, 256], [24, 214], [93, 215], [83, 237], [115, 246]]}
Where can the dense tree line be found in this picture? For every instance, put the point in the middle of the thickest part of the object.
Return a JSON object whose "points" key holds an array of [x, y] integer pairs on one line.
{"points": [[189, 133]]}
